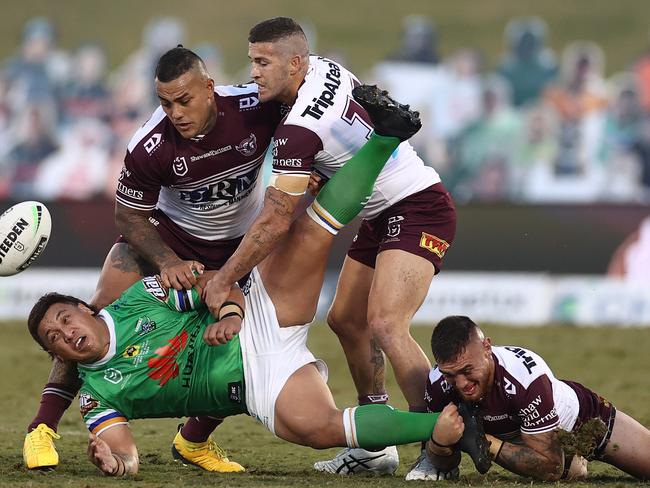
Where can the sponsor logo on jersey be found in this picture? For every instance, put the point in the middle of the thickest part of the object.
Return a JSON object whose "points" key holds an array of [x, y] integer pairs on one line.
{"points": [[496, 418], [144, 326], [292, 163], [434, 244], [11, 240], [526, 358], [87, 403], [394, 228], [164, 367], [248, 103], [152, 143], [188, 369], [129, 192], [180, 166], [113, 375], [278, 143], [154, 287], [234, 392], [209, 154], [326, 98], [131, 352], [509, 387], [248, 146], [227, 190]]}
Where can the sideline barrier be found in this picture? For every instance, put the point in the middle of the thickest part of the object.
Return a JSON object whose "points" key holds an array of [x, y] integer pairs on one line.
{"points": [[522, 299]]}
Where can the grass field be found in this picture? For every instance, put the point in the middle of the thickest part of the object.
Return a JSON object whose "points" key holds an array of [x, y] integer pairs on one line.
{"points": [[612, 361]]}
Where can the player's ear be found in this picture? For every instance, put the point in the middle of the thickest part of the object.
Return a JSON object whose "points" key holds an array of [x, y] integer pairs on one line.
{"points": [[210, 87], [487, 344], [85, 309], [295, 63]]}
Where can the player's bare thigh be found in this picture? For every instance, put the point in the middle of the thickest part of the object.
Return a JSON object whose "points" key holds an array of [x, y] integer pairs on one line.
{"points": [[305, 412], [122, 267], [293, 274], [629, 446]]}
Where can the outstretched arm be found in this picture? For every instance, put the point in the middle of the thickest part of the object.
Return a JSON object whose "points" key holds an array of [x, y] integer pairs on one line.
{"points": [[114, 451], [541, 457], [142, 235]]}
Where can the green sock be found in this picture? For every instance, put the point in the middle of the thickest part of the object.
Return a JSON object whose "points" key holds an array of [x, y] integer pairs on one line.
{"points": [[347, 192], [378, 426]]}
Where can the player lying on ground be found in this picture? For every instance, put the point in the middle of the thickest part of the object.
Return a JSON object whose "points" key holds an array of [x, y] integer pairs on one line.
{"points": [[143, 355], [526, 411], [409, 221], [189, 189]]}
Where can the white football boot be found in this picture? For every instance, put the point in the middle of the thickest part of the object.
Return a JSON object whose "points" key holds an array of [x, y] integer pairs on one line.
{"points": [[423, 470], [357, 460]]}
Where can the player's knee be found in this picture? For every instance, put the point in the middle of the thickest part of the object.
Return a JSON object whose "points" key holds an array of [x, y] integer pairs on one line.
{"points": [[386, 329], [343, 324]]}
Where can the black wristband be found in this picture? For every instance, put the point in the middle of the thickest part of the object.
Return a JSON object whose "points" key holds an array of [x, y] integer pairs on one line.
{"points": [[440, 445], [230, 304], [231, 314]]}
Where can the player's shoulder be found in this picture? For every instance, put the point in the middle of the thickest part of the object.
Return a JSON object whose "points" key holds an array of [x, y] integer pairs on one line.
{"points": [[148, 138], [521, 364]]}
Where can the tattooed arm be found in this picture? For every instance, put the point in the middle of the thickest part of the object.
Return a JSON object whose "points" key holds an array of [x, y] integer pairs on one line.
{"points": [[540, 457], [143, 237], [268, 229]]}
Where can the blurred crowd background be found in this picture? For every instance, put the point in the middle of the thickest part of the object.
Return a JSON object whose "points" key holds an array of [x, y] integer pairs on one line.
{"points": [[537, 125]]}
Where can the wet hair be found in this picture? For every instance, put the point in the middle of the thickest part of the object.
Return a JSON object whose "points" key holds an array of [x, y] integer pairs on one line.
{"points": [[274, 29], [177, 62], [451, 337], [41, 307]]}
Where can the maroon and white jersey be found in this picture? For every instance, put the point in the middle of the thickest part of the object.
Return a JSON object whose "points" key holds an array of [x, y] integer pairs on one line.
{"points": [[210, 186], [526, 398], [326, 127]]}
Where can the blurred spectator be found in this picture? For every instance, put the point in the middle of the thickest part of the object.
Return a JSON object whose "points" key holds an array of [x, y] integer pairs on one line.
{"points": [[641, 149], [35, 140], [419, 42], [86, 95], [486, 150], [529, 66], [631, 260], [642, 74], [78, 169], [211, 55]]}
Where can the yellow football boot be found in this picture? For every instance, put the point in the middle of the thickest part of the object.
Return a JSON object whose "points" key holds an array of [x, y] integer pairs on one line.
{"points": [[39, 451], [206, 455]]}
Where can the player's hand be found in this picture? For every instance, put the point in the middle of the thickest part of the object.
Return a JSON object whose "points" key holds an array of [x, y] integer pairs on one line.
{"points": [[100, 455], [316, 182], [180, 275], [449, 427], [221, 332], [216, 292]]}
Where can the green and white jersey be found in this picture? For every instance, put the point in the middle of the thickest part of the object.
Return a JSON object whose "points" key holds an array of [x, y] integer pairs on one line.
{"points": [[157, 364]]}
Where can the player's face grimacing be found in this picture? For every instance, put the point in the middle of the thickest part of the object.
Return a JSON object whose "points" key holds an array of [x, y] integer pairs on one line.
{"points": [[73, 333], [270, 70], [189, 103], [471, 372]]}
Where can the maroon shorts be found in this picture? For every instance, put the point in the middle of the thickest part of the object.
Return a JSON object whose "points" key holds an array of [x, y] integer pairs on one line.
{"points": [[423, 224], [593, 406], [213, 254]]}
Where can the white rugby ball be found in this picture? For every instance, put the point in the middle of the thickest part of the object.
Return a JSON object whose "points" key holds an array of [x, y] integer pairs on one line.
{"points": [[24, 231]]}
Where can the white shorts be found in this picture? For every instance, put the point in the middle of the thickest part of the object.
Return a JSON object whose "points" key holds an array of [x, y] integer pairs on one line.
{"points": [[270, 353]]}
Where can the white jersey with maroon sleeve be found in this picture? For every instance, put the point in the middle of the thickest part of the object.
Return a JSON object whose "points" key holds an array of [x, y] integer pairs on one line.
{"points": [[526, 398], [326, 127], [210, 186]]}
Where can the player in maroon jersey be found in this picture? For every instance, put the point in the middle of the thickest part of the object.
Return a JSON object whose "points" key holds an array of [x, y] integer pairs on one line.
{"points": [[523, 405], [189, 189]]}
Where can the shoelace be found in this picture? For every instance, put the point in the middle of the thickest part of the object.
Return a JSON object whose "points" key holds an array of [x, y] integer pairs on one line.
{"points": [[43, 439], [213, 446]]}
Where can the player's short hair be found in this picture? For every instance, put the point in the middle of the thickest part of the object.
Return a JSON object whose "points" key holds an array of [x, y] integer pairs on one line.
{"points": [[177, 62], [41, 307], [451, 337], [271, 30]]}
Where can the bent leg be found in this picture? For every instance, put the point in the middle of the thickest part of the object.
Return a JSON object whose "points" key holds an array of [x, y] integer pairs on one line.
{"points": [[629, 447], [348, 319], [122, 267], [400, 284]]}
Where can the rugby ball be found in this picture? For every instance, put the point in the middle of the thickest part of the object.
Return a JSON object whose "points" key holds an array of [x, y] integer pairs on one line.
{"points": [[24, 232]]}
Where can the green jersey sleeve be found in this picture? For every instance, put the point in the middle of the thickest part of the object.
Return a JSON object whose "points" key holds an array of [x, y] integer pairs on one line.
{"points": [[96, 412], [179, 300]]}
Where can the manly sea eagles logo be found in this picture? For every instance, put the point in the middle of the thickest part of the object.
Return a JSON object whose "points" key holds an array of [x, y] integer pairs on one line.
{"points": [[180, 166], [248, 146]]}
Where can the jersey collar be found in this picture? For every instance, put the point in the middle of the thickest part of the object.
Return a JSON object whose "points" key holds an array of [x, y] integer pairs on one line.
{"points": [[108, 320]]}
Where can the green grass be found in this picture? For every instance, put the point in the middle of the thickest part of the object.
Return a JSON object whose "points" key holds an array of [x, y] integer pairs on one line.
{"points": [[611, 361]]}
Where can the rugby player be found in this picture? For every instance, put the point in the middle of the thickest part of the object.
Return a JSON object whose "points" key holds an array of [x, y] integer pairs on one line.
{"points": [[189, 189], [409, 221], [522, 406], [142, 356]]}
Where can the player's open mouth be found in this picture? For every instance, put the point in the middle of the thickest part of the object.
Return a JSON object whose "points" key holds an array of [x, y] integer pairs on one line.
{"points": [[184, 126], [469, 390], [79, 343]]}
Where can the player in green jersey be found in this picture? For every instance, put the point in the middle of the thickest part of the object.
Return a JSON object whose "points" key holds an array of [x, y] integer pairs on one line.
{"points": [[157, 352]]}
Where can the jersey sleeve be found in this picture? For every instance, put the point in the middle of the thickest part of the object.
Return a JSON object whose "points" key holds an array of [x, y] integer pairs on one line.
{"points": [[437, 393], [294, 150], [139, 182], [97, 414], [537, 411], [151, 290]]}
